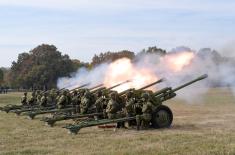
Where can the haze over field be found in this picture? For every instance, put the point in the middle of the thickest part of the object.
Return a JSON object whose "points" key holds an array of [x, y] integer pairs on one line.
{"points": [[82, 28]]}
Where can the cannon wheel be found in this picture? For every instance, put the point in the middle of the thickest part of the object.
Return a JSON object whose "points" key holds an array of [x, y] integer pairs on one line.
{"points": [[162, 117]]}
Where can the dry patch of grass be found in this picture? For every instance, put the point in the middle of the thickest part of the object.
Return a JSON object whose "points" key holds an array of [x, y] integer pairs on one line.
{"points": [[207, 127]]}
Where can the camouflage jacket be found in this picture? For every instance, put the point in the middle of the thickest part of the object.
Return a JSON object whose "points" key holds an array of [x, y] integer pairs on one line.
{"points": [[112, 107], [147, 107]]}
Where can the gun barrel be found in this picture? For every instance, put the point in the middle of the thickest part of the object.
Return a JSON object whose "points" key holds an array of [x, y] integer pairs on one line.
{"points": [[190, 82], [162, 91], [119, 84], [125, 91], [97, 86], [84, 85], [96, 90], [147, 86], [61, 89]]}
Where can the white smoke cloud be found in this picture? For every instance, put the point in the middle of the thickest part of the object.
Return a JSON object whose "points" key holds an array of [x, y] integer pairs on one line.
{"points": [[228, 49], [84, 76], [156, 67]]}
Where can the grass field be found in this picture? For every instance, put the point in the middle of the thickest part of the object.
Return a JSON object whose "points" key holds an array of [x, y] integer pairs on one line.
{"points": [[201, 128]]}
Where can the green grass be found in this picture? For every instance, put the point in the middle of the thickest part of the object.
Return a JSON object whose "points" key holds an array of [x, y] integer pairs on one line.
{"points": [[206, 126]]}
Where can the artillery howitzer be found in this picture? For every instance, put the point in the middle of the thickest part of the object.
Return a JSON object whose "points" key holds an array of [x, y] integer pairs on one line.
{"points": [[31, 115], [162, 116], [10, 107], [51, 121], [38, 107]]}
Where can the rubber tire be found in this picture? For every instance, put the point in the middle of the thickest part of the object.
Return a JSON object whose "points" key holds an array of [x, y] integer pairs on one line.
{"points": [[167, 110]]}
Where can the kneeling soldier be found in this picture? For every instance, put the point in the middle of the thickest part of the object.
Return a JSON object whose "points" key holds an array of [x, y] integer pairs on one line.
{"points": [[144, 119]]}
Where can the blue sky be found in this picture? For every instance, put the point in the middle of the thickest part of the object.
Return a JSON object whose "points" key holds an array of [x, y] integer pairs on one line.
{"points": [[82, 28]]}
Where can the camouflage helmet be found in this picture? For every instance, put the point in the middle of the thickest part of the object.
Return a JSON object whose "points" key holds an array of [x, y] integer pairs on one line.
{"points": [[75, 92], [113, 95], [99, 93], [145, 96], [25, 93], [129, 94], [87, 94], [67, 91], [82, 91], [38, 91], [57, 92], [64, 92]]}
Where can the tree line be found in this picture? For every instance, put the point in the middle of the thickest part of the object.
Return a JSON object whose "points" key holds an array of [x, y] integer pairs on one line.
{"points": [[42, 66]]}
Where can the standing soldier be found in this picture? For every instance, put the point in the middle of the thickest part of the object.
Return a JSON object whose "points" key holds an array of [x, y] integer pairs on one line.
{"points": [[63, 100], [24, 99], [112, 107], [69, 97], [38, 97], [58, 94], [43, 101], [129, 106], [32, 100], [53, 96], [99, 102], [50, 98], [85, 103], [144, 119], [76, 102]]}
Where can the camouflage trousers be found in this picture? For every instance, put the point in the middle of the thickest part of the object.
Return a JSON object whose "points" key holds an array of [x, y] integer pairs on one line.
{"points": [[115, 116], [143, 120]]}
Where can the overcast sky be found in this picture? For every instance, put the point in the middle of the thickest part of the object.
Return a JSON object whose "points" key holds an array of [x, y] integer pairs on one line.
{"points": [[82, 28]]}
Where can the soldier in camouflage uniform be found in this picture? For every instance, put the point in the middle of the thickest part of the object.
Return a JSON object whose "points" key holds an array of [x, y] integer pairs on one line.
{"points": [[81, 93], [32, 100], [99, 103], [38, 96], [43, 101], [58, 94], [63, 100], [49, 98], [112, 106], [113, 109], [69, 97], [52, 97], [143, 120], [76, 102], [24, 99], [130, 106], [85, 102]]}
